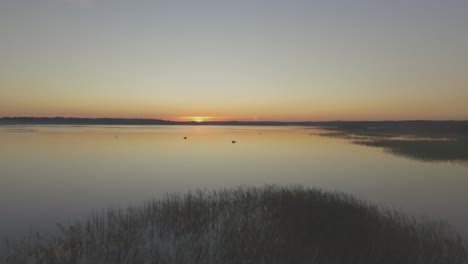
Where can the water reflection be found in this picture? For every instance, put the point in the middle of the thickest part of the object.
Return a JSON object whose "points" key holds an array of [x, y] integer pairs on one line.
{"points": [[62, 173]]}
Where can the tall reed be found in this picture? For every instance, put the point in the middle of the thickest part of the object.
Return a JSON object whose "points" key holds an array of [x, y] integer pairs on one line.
{"points": [[246, 225]]}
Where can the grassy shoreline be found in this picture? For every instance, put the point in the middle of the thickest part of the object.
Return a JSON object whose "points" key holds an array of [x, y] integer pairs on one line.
{"points": [[422, 141], [270, 224]]}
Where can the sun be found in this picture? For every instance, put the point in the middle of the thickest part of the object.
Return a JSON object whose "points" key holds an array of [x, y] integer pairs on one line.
{"points": [[198, 119]]}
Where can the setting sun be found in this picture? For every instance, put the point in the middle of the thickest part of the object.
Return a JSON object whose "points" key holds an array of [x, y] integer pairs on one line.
{"points": [[198, 118]]}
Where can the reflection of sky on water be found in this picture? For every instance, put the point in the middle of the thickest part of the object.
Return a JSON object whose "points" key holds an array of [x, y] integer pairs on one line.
{"points": [[61, 173]]}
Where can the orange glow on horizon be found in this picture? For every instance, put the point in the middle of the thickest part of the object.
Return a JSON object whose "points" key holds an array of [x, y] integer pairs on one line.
{"points": [[200, 119], [197, 119]]}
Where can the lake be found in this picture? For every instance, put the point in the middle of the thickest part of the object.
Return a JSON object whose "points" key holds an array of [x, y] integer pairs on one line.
{"points": [[60, 174]]}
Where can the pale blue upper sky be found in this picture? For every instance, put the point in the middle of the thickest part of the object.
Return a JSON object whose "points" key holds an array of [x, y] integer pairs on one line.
{"points": [[244, 59]]}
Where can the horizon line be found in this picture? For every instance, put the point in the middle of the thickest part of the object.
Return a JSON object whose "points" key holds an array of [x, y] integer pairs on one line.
{"points": [[224, 121]]}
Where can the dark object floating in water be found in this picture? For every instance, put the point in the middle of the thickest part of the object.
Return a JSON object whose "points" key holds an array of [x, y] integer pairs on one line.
{"points": [[234, 142], [185, 137]]}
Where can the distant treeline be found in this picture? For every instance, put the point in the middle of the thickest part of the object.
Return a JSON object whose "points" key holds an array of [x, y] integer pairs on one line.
{"points": [[131, 121], [412, 124]]}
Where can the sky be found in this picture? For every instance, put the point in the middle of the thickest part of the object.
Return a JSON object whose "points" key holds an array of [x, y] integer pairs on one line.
{"points": [[235, 60]]}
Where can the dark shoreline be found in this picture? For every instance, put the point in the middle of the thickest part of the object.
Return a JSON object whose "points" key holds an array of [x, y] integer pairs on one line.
{"points": [[132, 121]]}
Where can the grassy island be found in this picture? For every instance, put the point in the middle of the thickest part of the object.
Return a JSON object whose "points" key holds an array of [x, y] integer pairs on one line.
{"points": [[247, 225]]}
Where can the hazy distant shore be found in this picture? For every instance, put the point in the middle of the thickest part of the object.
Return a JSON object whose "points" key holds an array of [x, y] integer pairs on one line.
{"points": [[132, 121]]}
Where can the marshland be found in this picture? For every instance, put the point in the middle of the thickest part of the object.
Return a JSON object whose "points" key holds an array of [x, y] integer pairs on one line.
{"points": [[65, 190], [246, 225]]}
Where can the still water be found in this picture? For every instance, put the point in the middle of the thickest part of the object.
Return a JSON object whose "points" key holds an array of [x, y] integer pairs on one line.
{"points": [[60, 174]]}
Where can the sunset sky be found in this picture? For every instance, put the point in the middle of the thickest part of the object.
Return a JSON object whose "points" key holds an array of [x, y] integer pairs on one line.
{"points": [[240, 59]]}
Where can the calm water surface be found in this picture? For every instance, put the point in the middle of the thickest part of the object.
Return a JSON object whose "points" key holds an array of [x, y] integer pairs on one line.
{"points": [[62, 173]]}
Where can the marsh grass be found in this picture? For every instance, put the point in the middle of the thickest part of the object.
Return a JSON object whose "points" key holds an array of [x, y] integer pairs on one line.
{"points": [[430, 141], [455, 151], [246, 225]]}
